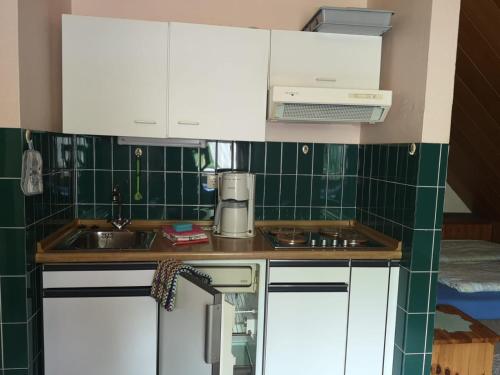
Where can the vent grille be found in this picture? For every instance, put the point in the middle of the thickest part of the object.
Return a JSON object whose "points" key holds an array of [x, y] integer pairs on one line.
{"points": [[328, 112]]}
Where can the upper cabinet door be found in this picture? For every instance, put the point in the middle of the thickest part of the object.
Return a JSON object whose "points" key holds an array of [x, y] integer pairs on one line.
{"points": [[114, 76], [217, 82], [308, 59]]}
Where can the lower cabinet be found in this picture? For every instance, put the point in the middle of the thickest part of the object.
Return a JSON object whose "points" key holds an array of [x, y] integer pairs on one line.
{"points": [[367, 317], [331, 317], [99, 321], [306, 321]]}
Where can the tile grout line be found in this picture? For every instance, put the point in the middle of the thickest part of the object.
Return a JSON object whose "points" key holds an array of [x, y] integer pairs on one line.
{"points": [[296, 180], [312, 179], [432, 256], [93, 171], [344, 148]]}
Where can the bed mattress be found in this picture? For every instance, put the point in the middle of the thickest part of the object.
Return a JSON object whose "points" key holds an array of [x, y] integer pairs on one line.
{"points": [[469, 250], [480, 305]]}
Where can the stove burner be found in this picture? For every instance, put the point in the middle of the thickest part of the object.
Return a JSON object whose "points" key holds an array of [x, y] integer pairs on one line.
{"points": [[291, 238], [326, 238]]}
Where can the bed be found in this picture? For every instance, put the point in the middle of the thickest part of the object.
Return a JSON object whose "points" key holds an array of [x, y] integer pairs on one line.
{"points": [[469, 277]]}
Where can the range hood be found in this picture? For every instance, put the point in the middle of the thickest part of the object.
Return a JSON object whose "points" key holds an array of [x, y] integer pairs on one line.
{"points": [[315, 104]]}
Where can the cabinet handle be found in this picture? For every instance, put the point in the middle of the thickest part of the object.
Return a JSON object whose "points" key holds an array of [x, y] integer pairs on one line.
{"points": [[212, 333], [326, 79], [188, 122], [145, 122]]}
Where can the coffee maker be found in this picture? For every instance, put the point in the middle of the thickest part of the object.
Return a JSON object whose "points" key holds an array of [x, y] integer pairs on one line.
{"points": [[234, 216]]}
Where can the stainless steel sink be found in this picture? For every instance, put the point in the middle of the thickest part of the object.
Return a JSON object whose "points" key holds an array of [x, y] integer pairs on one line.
{"points": [[108, 240]]}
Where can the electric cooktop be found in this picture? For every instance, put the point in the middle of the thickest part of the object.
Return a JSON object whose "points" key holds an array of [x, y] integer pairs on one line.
{"points": [[324, 238]]}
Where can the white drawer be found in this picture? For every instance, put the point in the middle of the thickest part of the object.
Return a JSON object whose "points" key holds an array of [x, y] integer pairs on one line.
{"points": [[97, 278], [309, 275]]}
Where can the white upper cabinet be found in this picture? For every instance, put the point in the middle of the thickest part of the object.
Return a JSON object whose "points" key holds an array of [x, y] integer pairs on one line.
{"points": [[308, 59], [114, 76], [217, 82]]}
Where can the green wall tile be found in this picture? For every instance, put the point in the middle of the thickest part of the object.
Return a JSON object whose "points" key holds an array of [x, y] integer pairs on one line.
{"points": [[421, 257], [104, 211], [334, 191], [304, 162], [139, 212], [86, 211], [103, 152], [413, 364], [15, 354], [173, 159], [429, 164], [84, 152], [271, 213], [157, 212], [349, 192], [11, 150], [173, 212], [173, 186], [415, 333], [418, 293], [287, 213], [259, 189], [104, 186], [303, 195], [335, 159], [289, 158], [191, 159], [121, 157], [12, 252], [190, 185], [156, 158], [85, 190], [258, 157], [302, 213], [156, 193], [425, 208], [273, 157], [287, 190], [333, 213], [189, 213], [351, 160], [13, 294], [320, 159], [208, 157], [12, 212], [319, 191], [271, 190], [318, 213]]}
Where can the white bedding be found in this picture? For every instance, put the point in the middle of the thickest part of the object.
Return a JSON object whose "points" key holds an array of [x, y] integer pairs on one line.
{"points": [[469, 250], [471, 277]]}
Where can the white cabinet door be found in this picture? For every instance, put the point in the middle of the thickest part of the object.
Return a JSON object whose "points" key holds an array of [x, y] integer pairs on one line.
{"points": [[367, 319], [392, 306], [195, 338], [324, 60], [99, 335], [114, 76], [217, 82], [306, 329]]}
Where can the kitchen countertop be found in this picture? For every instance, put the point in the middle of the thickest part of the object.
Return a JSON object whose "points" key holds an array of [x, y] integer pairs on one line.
{"points": [[257, 247]]}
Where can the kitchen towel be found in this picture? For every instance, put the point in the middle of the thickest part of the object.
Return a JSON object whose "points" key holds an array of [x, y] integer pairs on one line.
{"points": [[164, 285]]}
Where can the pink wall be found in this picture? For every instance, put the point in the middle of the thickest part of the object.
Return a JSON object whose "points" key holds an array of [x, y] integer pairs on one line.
{"points": [[40, 62], [276, 14], [9, 65]]}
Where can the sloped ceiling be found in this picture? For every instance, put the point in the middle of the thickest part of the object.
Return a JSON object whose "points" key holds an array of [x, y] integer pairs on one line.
{"points": [[474, 160]]}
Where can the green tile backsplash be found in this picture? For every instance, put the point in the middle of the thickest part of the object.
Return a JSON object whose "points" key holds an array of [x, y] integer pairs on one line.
{"points": [[380, 185], [290, 183], [24, 221], [402, 195]]}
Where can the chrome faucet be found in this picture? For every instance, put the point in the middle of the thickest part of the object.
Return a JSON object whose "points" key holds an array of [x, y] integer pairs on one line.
{"points": [[118, 222]]}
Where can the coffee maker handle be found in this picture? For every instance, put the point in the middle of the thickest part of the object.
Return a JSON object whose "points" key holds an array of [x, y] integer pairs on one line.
{"points": [[218, 212]]}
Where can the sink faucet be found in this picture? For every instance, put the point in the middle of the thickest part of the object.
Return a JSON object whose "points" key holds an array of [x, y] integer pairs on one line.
{"points": [[118, 222]]}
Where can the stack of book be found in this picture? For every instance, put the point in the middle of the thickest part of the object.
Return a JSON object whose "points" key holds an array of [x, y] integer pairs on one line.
{"points": [[185, 236]]}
